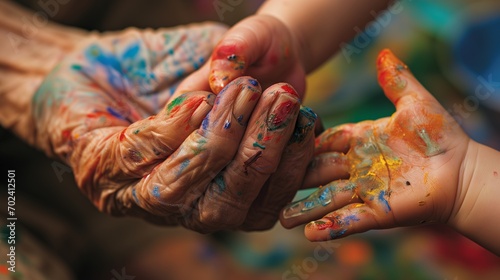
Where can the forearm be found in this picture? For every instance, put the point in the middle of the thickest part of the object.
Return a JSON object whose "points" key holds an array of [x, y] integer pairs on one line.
{"points": [[320, 26], [29, 49], [477, 211]]}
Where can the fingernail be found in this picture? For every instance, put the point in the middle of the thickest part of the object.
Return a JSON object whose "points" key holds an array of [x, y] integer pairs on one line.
{"points": [[304, 125], [283, 111], [226, 65], [320, 198], [249, 95], [203, 109], [389, 71]]}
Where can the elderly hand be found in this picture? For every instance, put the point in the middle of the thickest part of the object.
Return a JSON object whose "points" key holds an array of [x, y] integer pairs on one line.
{"points": [[107, 110]]}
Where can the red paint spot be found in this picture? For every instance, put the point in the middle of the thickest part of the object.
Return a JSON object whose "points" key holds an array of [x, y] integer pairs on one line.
{"points": [[267, 138], [151, 117], [193, 103], [273, 59], [66, 134], [3, 269], [290, 90], [282, 112], [495, 173], [223, 52], [254, 96], [122, 134]]}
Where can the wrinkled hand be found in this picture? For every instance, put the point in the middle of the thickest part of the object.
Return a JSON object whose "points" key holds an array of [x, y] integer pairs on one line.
{"points": [[397, 171], [260, 46], [107, 110]]}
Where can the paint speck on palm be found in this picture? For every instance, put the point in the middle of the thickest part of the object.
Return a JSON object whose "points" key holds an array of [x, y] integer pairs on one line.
{"points": [[227, 124]]}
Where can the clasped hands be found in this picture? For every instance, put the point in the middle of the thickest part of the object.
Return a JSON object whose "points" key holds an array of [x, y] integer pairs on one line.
{"points": [[140, 144]]}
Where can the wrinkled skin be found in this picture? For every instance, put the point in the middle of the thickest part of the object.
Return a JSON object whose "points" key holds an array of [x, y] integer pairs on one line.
{"points": [[402, 170], [204, 161]]}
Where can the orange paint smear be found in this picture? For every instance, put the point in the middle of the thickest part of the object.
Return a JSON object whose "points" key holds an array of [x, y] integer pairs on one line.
{"points": [[433, 128]]}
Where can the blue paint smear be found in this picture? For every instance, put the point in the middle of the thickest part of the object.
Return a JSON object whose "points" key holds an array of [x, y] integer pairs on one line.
{"points": [[381, 198], [115, 113], [156, 191], [253, 82], [350, 218], [324, 196], [183, 166], [240, 119], [227, 125], [337, 233], [219, 181], [205, 123], [132, 51], [134, 195]]}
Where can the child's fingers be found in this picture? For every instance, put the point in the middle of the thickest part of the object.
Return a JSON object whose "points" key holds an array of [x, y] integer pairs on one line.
{"points": [[398, 83], [335, 139], [326, 167], [326, 199], [351, 219], [242, 46]]}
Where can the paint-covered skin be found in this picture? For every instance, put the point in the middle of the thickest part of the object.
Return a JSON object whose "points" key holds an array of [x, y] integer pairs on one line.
{"points": [[402, 170], [260, 46], [197, 159]]}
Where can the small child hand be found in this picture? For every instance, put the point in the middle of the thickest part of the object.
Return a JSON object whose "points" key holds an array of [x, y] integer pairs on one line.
{"points": [[397, 171]]}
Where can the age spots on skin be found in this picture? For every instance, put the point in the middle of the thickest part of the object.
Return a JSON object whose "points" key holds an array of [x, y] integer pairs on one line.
{"points": [[495, 174]]}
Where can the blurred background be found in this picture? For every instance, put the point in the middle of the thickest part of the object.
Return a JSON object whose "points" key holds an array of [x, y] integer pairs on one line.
{"points": [[452, 47]]}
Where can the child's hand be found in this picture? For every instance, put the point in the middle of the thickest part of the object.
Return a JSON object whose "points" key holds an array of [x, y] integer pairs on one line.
{"points": [[260, 46], [402, 170]]}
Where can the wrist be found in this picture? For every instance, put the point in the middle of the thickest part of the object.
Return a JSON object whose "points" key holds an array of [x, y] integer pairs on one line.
{"points": [[31, 50], [476, 208]]}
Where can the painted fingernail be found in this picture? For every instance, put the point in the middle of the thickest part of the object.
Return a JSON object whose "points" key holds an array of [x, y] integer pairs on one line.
{"points": [[389, 71], [226, 65], [304, 125], [249, 95], [283, 111], [202, 110], [320, 198]]}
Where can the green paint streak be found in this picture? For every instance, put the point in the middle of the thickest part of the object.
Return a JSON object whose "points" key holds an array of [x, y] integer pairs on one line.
{"points": [[176, 102], [200, 147], [255, 144], [76, 67], [137, 131], [259, 137], [432, 148]]}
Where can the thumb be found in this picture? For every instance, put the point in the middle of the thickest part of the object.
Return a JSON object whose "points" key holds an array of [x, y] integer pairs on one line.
{"points": [[243, 45], [398, 83]]}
